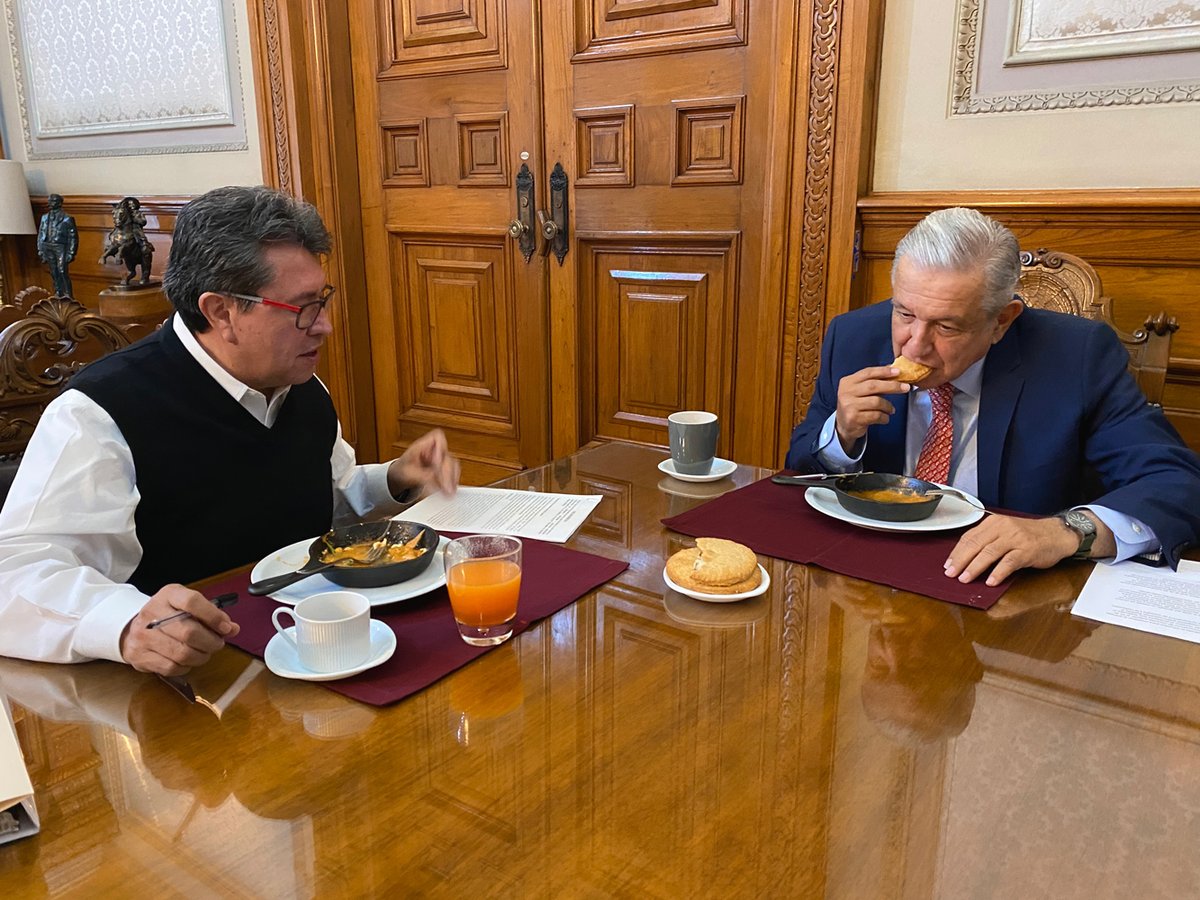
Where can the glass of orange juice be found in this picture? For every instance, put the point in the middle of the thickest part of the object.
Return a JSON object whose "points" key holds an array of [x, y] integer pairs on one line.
{"points": [[483, 576]]}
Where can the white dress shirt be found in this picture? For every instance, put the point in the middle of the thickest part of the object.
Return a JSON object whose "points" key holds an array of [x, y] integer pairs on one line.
{"points": [[67, 538], [1132, 536]]}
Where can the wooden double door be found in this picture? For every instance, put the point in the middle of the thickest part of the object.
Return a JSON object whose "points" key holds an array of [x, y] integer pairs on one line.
{"points": [[670, 123]]}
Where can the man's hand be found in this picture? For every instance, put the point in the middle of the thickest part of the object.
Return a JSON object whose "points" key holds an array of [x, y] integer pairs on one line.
{"points": [[861, 403], [427, 464], [1005, 544], [181, 645]]}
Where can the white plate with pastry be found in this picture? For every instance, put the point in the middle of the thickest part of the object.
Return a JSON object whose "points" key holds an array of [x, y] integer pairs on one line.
{"points": [[716, 570], [763, 584]]}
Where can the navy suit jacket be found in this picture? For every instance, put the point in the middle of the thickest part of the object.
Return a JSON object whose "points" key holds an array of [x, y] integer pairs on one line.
{"points": [[1058, 411]]}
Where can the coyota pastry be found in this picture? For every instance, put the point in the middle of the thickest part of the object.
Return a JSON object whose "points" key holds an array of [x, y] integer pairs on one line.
{"points": [[715, 566], [910, 372]]}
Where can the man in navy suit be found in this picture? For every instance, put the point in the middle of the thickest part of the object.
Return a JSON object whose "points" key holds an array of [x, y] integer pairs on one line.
{"points": [[1043, 407]]}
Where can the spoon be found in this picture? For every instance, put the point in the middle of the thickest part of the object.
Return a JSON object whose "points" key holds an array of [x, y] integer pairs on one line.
{"points": [[815, 479], [312, 567]]}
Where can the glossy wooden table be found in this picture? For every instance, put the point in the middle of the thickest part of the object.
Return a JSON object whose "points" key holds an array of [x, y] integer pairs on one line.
{"points": [[832, 738]]}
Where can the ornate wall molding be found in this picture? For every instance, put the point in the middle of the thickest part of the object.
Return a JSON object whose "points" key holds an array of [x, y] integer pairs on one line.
{"points": [[967, 99], [817, 197], [281, 163]]}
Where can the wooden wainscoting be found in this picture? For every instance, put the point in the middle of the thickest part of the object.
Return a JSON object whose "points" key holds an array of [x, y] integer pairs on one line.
{"points": [[1145, 245]]}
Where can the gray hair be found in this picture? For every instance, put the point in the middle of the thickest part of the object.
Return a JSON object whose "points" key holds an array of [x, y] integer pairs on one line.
{"points": [[218, 242], [965, 240]]}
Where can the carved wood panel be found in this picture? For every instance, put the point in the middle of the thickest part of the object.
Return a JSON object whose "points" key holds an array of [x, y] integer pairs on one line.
{"points": [[661, 311], [427, 37], [604, 145], [708, 141], [454, 307], [482, 148], [605, 28], [405, 153]]}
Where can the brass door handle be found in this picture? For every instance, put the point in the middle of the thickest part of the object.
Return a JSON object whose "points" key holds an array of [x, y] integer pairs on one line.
{"points": [[521, 228], [555, 223], [549, 229]]}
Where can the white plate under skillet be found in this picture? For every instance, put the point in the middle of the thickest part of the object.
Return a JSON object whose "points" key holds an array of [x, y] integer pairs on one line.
{"points": [[952, 512], [293, 556], [721, 468], [763, 584]]}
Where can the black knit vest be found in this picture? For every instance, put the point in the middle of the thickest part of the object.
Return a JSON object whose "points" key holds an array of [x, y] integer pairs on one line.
{"points": [[217, 489]]}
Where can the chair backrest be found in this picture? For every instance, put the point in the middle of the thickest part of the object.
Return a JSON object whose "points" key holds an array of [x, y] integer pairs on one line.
{"points": [[1065, 283], [39, 352]]}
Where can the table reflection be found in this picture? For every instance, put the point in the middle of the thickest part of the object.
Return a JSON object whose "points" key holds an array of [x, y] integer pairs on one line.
{"points": [[830, 738]]}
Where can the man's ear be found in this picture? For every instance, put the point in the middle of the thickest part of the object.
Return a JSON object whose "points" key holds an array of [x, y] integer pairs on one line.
{"points": [[1006, 317], [218, 309]]}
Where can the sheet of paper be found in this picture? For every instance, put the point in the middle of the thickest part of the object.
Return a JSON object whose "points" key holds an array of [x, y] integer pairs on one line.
{"points": [[1156, 600], [18, 815], [529, 514]]}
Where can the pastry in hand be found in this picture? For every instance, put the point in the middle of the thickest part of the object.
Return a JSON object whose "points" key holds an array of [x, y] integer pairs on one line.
{"points": [[715, 566], [910, 372]]}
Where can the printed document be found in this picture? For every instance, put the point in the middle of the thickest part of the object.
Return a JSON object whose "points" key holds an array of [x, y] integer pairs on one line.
{"points": [[1156, 600], [18, 814], [527, 514]]}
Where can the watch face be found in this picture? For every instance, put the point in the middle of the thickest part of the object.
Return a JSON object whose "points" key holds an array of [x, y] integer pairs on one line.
{"points": [[1080, 522]]}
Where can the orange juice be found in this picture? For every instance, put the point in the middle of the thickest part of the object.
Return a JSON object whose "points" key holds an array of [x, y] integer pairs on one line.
{"points": [[483, 592]]}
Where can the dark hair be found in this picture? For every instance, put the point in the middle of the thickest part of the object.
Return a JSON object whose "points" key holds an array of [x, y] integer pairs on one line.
{"points": [[219, 238]]}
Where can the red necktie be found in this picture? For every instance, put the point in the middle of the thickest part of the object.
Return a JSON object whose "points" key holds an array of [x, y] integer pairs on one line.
{"points": [[934, 462]]}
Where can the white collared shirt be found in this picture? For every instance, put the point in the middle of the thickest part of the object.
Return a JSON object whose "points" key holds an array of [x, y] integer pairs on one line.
{"points": [[1132, 536], [67, 538]]}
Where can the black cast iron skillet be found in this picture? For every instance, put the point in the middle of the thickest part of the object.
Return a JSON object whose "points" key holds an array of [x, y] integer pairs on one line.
{"points": [[377, 574], [848, 495], [847, 489]]}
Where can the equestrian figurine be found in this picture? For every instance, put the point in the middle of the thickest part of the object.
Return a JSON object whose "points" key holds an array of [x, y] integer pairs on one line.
{"points": [[127, 241]]}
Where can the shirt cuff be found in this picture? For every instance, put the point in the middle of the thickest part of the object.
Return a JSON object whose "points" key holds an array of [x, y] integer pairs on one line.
{"points": [[1131, 535], [379, 494], [830, 454], [98, 634]]}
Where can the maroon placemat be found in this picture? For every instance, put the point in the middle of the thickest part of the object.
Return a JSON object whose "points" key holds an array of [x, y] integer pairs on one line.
{"points": [[427, 643], [776, 520]]}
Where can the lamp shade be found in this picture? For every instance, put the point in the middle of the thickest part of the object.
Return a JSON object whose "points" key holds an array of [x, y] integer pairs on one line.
{"points": [[16, 213]]}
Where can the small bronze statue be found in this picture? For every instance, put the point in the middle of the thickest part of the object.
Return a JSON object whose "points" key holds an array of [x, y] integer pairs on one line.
{"points": [[57, 242], [127, 241]]}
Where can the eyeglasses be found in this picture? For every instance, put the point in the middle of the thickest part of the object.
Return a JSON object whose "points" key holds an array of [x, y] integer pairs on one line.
{"points": [[306, 313]]}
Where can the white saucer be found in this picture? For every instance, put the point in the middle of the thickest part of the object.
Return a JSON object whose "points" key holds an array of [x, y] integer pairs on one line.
{"points": [[284, 662], [952, 512], [722, 598], [721, 468], [293, 556]]}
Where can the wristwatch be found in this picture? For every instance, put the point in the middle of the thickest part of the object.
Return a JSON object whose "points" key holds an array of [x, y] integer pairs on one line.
{"points": [[1082, 525]]}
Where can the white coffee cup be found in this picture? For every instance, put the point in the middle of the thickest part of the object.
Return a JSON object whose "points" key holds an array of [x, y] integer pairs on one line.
{"points": [[333, 630]]}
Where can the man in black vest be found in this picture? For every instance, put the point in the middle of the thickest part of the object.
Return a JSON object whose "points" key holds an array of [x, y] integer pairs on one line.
{"points": [[201, 448]]}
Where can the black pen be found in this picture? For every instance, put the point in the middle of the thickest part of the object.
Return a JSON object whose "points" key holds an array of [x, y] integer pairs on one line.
{"points": [[220, 602]]}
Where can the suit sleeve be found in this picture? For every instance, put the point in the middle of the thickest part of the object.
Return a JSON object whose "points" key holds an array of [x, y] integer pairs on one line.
{"points": [[1146, 470], [802, 453]]}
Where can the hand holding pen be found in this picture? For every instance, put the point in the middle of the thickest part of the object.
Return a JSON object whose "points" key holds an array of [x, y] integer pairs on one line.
{"points": [[175, 631], [220, 602]]}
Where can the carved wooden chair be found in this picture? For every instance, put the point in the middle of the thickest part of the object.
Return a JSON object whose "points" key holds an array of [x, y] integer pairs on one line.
{"points": [[1065, 283], [43, 342]]}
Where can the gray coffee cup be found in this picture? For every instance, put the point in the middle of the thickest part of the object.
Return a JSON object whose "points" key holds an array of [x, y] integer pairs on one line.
{"points": [[693, 441]]}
